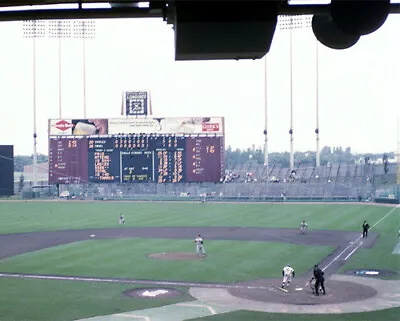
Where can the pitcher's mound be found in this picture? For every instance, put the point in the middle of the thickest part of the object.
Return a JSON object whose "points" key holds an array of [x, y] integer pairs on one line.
{"points": [[175, 256]]}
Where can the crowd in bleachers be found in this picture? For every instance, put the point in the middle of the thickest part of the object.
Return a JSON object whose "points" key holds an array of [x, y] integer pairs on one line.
{"points": [[336, 173]]}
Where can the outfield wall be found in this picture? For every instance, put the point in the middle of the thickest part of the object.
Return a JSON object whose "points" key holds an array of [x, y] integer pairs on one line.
{"points": [[237, 191]]}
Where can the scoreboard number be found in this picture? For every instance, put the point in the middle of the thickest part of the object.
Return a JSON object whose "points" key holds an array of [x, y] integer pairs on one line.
{"points": [[210, 149]]}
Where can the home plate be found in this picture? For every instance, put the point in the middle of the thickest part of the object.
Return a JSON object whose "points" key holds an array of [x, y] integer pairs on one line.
{"points": [[298, 289]]}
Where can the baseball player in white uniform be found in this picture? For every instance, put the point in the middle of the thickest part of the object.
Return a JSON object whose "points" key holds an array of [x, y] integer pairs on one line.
{"points": [[199, 245], [121, 219], [288, 274], [303, 227]]}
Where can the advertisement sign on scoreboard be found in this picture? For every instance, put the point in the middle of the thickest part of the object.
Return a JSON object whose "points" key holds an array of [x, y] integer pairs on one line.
{"points": [[170, 125], [118, 126], [78, 127]]}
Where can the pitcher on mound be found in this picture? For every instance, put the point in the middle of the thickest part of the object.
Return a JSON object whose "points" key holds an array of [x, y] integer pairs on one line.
{"points": [[199, 245]]}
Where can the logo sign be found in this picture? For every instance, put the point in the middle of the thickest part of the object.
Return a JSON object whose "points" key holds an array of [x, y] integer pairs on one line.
{"points": [[63, 125], [210, 127], [371, 272], [154, 293], [151, 293], [367, 272], [136, 103]]}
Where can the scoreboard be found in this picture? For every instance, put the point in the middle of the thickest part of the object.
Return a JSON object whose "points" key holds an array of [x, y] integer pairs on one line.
{"points": [[135, 159], [136, 150]]}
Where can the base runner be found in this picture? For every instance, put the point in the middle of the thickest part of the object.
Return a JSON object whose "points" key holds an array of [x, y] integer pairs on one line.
{"points": [[288, 274]]}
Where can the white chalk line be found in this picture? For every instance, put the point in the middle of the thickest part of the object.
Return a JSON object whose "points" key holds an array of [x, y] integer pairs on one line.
{"points": [[390, 212], [133, 316], [130, 281], [358, 238], [208, 307], [355, 249]]}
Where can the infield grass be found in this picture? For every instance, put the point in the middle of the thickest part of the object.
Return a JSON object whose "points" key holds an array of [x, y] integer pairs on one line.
{"points": [[227, 261], [44, 300], [28, 216]]}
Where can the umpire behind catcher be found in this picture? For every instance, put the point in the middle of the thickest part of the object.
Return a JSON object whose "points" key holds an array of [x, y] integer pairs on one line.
{"points": [[319, 279]]}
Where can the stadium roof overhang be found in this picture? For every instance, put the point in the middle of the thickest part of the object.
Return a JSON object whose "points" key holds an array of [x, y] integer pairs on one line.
{"points": [[14, 10], [220, 29]]}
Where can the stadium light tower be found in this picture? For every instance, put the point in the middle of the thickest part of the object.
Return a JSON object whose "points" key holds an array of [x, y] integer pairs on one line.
{"points": [[291, 23], [85, 29], [34, 29], [266, 160], [317, 156], [60, 29]]}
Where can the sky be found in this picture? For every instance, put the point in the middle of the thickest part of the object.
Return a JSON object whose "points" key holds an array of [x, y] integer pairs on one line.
{"points": [[358, 87]]}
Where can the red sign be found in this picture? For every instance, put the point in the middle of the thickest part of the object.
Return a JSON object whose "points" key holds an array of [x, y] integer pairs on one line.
{"points": [[210, 127], [63, 125]]}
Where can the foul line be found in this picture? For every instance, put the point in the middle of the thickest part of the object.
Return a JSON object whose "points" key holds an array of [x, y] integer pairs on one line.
{"points": [[357, 239], [390, 212], [130, 281], [355, 249]]}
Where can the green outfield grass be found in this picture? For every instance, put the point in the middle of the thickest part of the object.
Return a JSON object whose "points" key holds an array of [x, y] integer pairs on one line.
{"points": [[39, 216], [386, 315], [380, 255], [228, 261], [42, 300]]}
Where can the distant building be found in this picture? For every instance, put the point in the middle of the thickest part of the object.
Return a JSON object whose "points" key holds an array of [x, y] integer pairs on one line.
{"points": [[42, 172]]}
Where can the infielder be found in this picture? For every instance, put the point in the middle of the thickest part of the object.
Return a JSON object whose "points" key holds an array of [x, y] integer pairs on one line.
{"points": [[199, 245], [121, 219], [288, 274], [303, 227]]}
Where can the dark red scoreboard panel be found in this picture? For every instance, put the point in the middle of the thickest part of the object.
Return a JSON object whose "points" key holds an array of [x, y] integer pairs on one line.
{"points": [[204, 159], [136, 158], [68, 160]]}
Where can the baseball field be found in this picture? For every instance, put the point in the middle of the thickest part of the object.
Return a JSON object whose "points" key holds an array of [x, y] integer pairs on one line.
{"points": [[72, 260]]}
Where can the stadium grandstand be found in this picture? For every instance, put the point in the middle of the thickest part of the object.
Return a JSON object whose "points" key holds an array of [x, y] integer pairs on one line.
{"points": [[250, 181]]}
